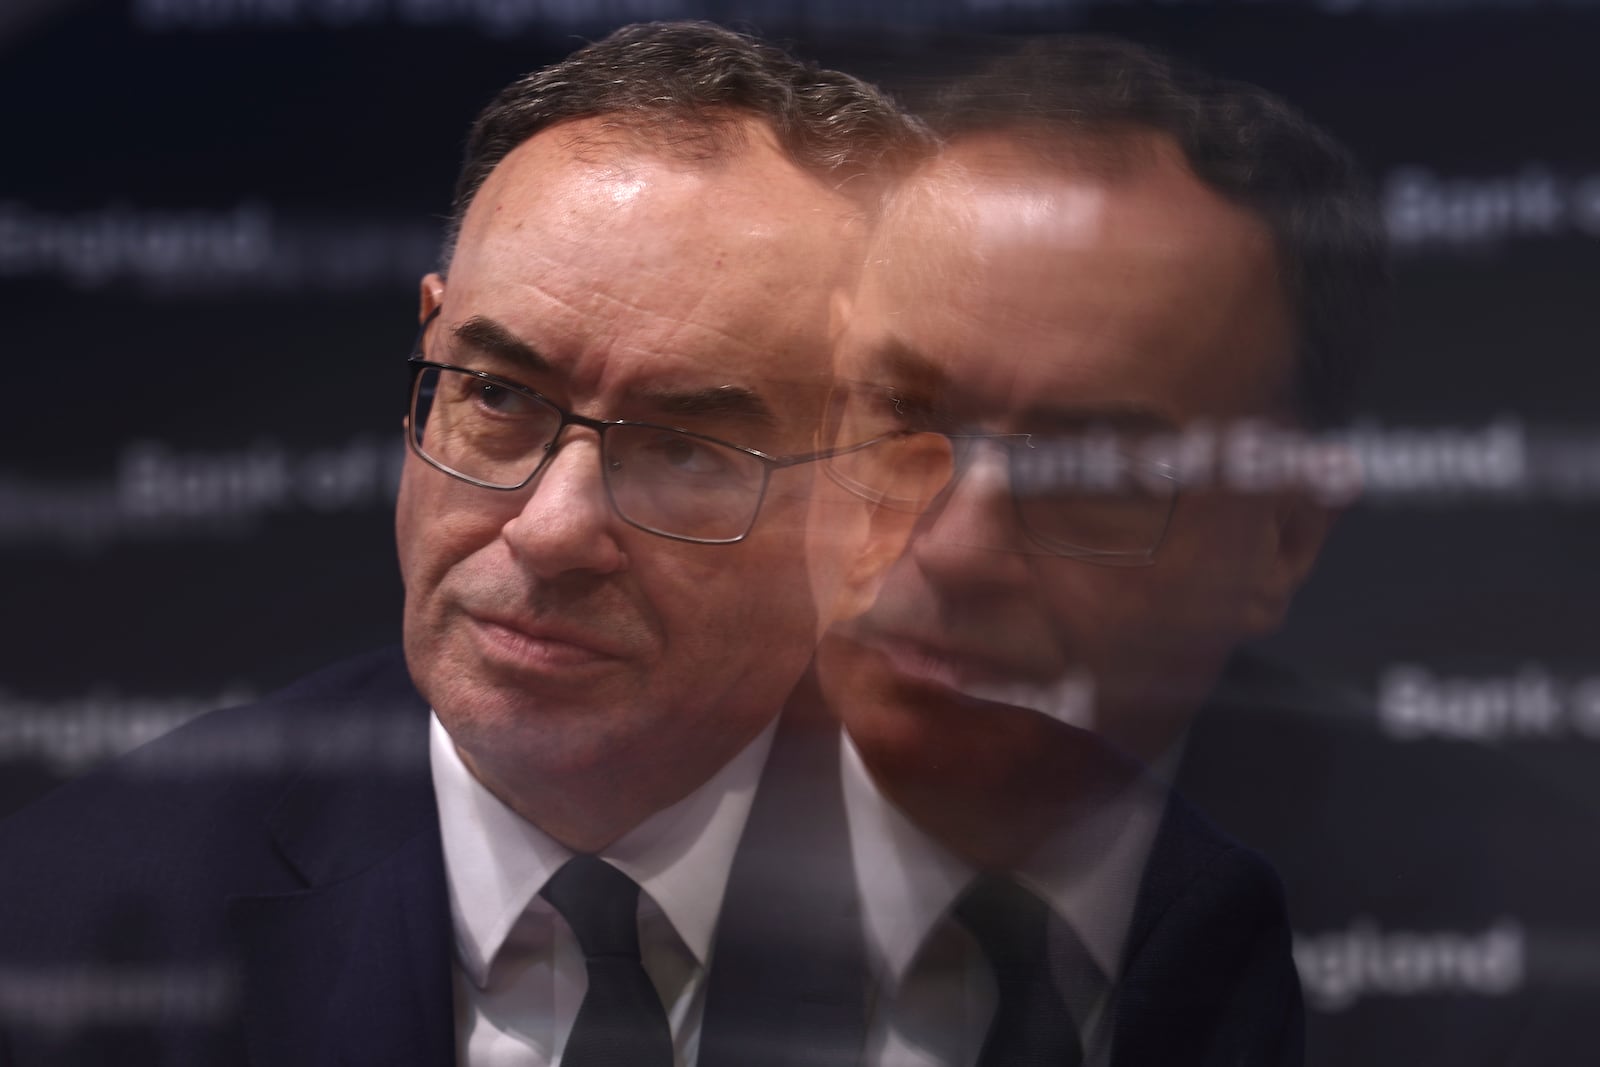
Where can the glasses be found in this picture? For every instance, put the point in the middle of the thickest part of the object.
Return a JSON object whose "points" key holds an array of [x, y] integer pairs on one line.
{"points": [[498, 434], [1093, 495]]}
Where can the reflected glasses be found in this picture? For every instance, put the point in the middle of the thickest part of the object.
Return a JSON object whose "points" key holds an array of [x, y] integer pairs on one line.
{"points": [[1093, 495], [499, 434]]}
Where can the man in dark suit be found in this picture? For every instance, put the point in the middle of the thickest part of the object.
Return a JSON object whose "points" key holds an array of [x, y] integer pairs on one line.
{"points": [[1110, 265], [510, 846]]}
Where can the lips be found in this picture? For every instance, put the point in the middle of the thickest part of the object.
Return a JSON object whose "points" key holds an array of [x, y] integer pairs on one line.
{"points": [[1068, 696], [941, 664], [542, 645]]}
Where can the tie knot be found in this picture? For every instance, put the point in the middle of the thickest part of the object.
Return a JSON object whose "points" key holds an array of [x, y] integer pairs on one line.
{"points": [[600, 903], [1008, 921], [1032, 1026]]}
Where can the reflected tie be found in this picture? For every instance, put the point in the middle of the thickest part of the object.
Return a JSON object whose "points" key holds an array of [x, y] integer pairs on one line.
{"points": [[621, 1022], [1031, 1026]]}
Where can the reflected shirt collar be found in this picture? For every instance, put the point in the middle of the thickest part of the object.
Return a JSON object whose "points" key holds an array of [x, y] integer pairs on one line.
{"points": [[1088, 872]]}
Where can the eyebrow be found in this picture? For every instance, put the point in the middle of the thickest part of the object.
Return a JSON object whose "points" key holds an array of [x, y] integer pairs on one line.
{"points": [[487, 335], [896, 365], [723, 401], [726, 401], [916, 383], [899, 367]]}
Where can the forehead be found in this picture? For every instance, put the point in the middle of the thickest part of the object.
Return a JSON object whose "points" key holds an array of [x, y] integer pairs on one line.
{"points": [[618, 264], [1028, 283]]}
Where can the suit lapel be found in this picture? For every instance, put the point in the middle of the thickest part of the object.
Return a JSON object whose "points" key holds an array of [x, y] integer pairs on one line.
{"points": [[355, 968], [1207, 976], [352, 973]]}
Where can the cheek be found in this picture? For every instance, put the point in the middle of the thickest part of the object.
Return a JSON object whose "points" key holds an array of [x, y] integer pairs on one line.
{"points": [[1226, 538], [770, 602], [1104, 616], [836, 538], [736, 633], [435, 528], [1205, 573], [1095, 611]]}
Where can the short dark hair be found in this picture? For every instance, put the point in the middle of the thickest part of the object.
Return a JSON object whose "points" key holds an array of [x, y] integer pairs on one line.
{"points": [[1242, 141], [683, 88]]}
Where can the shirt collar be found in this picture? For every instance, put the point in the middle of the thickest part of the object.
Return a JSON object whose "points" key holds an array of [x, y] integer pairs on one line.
{"points": [[496, 862], [907, 880], [1088, 871]]}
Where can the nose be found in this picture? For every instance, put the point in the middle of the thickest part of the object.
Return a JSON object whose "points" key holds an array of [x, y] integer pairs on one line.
{"points": [[969, 535], [567, 524]]}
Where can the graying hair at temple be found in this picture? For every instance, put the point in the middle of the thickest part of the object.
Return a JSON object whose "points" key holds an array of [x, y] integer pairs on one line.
{"points": [[1249, 145], [683, 88]]}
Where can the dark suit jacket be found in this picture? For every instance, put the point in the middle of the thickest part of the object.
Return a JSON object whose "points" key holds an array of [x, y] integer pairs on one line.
{"points": [[266, 886], [270, 877], [1208, 975]]}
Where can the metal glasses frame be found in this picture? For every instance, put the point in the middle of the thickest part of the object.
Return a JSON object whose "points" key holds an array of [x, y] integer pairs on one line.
{"points": [[768, 462], [1013, 443]]}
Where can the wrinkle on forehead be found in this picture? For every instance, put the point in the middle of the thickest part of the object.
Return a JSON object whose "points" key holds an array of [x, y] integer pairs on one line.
{"points": [[703, 274]]}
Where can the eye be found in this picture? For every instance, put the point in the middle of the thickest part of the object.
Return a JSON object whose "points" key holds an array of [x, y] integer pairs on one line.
{"points": [[670, 451], [499, 400], [667, 457]]}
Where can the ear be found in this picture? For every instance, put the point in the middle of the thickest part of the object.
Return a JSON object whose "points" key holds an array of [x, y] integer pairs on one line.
{"points": [[1299, 526], [840, 304], [917, 467], [432, 295]]}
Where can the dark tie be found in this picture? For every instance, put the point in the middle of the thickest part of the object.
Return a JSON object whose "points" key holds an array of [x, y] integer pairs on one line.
{"points": [[1031, 1026], [621, 1022]]}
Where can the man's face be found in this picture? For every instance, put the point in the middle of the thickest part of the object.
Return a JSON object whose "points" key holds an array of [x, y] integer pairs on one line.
{"points": [[554, 640], [1035, 299]]}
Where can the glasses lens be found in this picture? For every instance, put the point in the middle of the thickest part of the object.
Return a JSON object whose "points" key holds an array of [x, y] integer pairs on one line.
{"points": [[480, 429], [1090, 495], [681, 485]]}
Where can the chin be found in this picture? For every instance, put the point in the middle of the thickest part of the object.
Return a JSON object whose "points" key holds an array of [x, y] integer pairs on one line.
{"points": [[515, 739]]}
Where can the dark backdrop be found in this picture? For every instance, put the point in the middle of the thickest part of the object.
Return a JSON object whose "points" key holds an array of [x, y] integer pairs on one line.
{"points": [[213, 216]]}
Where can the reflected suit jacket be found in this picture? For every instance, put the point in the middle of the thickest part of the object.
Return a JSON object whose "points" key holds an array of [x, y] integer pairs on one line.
{"points": [[1412, 839], [266, 886], [1207, 974]]}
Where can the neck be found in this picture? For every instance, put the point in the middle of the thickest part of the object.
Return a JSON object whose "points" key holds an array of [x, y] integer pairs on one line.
{"points": [[590, 808], [989, 787]]}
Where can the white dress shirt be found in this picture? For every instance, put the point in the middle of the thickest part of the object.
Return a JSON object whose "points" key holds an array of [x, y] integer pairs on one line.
{"points": [[935, 993], [520, 975]]}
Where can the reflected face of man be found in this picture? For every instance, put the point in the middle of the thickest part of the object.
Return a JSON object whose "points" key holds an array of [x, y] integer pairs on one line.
{"points": [[555, 641], [1022, 297]]}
